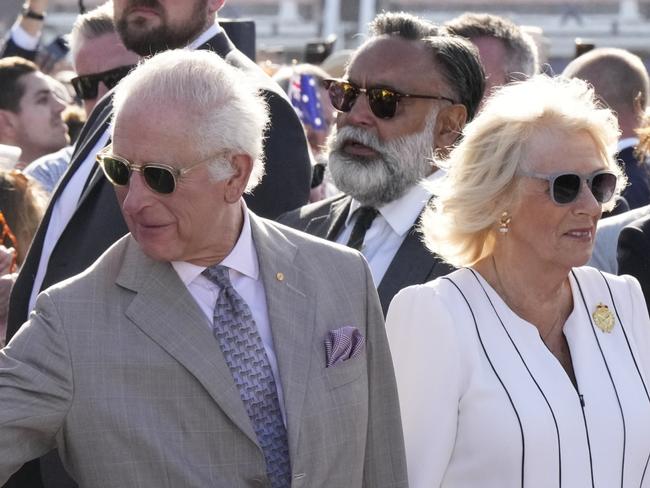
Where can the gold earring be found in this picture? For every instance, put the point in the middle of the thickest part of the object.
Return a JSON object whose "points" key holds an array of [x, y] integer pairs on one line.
{"points": [[504, 223]]}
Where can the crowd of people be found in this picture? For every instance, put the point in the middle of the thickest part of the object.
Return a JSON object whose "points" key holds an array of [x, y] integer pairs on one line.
{"points": [[425, 267]]}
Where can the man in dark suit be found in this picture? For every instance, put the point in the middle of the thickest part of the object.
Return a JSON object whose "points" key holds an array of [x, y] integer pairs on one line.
{"points": [[83, 218], [406, 96], [621, 80], [633, 254]]}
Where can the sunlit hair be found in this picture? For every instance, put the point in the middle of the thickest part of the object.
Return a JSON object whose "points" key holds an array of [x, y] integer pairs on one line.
{"points": [[460, 225], [91, 25], [227, 113], [522, 57]]}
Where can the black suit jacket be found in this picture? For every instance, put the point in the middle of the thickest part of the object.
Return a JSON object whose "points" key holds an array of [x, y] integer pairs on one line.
{"points": [[633, 253], [97, 222], [11, 49], [637, 192], [413, 263]]}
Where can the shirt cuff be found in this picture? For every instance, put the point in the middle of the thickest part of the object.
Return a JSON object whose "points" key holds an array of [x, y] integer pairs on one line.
{"points": [[24, 39]]}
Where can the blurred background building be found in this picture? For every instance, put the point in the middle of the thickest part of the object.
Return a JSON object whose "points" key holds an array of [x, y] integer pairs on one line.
{"points": [[295, 29]]}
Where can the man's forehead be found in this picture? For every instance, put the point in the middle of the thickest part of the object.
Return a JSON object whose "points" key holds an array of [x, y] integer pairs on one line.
{"points": [[388, 59]]}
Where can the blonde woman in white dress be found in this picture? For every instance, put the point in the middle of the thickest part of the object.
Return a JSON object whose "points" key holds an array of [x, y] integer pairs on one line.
{"points": [[525, 368]]}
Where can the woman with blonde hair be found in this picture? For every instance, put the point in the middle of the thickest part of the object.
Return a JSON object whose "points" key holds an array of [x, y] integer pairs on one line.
{"points": [[525, 368]]}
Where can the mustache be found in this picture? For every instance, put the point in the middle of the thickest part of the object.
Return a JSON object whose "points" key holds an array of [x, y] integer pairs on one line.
{"points": [[349, 133]]}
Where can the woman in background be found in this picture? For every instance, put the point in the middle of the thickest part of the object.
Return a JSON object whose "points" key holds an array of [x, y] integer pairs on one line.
{"points": [[22, 204], [525, 368]]}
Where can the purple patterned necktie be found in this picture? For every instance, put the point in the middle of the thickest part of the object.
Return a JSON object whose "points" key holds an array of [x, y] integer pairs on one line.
{"points": [[240, 342]]}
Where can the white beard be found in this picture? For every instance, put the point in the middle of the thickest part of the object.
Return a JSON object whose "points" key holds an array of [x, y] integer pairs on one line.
{"points": [[399, 164]]}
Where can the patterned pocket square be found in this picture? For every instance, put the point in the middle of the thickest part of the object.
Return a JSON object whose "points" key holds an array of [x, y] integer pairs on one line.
{"points": [[343, 344]]}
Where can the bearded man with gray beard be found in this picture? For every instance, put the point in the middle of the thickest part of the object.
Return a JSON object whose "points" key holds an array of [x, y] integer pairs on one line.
{"points": [[406, 95]]}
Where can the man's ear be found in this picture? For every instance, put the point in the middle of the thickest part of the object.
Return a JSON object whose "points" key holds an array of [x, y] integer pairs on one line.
{"points": [[8, 126], [215, 5], [449, 125], [242, 166]]}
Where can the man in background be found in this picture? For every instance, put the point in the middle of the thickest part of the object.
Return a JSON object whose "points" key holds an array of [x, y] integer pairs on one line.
{"points": [[30, 111], [100, 60], [385, 143], [507, 53]]}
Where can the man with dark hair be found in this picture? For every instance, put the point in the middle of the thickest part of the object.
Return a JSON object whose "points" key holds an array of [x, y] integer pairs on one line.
{"points": [[30, 111], [403, 101], [83, 218], [507, 53]]}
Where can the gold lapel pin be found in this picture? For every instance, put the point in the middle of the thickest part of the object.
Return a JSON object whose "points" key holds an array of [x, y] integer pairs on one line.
{"points": [[279, 276], [603, 317]]}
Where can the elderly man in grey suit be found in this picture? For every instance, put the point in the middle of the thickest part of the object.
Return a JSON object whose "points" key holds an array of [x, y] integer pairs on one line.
{"points": [[208, 347], [406, 95]]}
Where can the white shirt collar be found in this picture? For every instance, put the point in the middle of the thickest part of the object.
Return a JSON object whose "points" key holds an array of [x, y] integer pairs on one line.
{"points": [[242, 257], [402, 212], [212, 31], [627, 142]]}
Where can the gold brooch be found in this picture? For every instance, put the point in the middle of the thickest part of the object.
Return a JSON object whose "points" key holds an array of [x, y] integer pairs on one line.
{"points": [[603, 317]]}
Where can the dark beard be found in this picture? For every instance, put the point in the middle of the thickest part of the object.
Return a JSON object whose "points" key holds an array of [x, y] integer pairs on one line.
{"points": [[147, 42]]}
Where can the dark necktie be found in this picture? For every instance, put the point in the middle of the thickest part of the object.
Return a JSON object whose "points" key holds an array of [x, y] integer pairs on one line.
{"points": [[240, 342], [365, 216]]}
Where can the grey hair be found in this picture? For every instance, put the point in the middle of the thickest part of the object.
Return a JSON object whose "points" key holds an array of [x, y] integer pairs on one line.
{"points": [[482, 173], [91, 25], [523, 59], [402, 24], [231, 116], [618, 76], [461, 68]]}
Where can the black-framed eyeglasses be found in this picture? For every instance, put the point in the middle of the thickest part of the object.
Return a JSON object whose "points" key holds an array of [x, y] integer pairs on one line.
{"points": [[160, 178], [565, 187], [383, 101], [86, 86]]}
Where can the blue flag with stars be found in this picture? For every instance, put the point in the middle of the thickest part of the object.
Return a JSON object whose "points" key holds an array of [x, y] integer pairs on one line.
{"points": [[305, 98]]}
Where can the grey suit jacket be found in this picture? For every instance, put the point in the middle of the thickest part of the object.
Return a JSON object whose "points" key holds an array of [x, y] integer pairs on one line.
{"points": [[118, 368], [413, 263], [603, 256]]}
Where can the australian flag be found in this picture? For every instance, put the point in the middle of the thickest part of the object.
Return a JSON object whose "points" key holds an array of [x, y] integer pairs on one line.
{"points": [[305, 98]]}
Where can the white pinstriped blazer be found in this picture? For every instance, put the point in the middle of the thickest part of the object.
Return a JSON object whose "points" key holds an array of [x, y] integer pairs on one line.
{"points": [[485, 403]]}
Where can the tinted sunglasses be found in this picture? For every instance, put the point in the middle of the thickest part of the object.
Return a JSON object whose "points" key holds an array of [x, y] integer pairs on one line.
{"points": [[86, 86], [565, 187], [159, 178], [383, 101]]}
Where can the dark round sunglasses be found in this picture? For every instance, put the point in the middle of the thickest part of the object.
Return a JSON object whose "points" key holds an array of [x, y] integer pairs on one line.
{"points": [[565, 187], [383, 101], [158, 177], [86, 86]]}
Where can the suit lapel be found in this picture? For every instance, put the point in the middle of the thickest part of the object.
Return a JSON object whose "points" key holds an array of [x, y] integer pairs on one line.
{"points": [[96, 173], [165, 311], [412, 264], [291, 317], [329, 226]]}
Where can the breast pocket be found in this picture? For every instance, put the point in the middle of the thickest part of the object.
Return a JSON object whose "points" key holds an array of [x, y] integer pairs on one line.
{"points": [[345, 372]]}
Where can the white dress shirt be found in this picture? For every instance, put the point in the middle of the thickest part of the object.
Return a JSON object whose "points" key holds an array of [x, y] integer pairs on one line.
{"points": [[64, 208], [245, 276], [24, 39], [485, 404], [388, 230]]}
